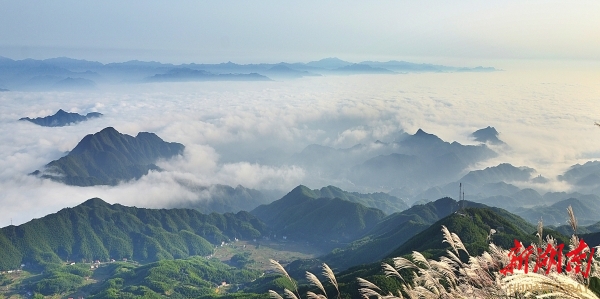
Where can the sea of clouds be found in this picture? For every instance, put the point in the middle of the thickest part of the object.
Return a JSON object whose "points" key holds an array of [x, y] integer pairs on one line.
{"points": [[244, 133]]}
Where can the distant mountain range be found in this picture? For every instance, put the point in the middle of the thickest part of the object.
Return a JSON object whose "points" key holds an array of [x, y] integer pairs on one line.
{"points": [[108, 157], [71, 74], [61, 118], [186, 74]]}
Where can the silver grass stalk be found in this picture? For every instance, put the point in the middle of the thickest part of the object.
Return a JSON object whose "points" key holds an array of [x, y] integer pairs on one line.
{"points": [[279, 268], [458, 243], [274, 295], [315, 281], [572, 220], [329, 274], [391, 271], [289, 294], [363, 283], [311, 295], [540, 230], [448, 238], [368, 293]]}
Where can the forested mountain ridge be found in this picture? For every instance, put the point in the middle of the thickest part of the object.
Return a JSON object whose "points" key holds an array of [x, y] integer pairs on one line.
{"points": [[108, 157], [301, 214], [396, 229], [96, 230]]}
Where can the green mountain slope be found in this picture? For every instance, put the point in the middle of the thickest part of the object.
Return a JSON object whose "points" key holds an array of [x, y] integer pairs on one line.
{"points": [[379, 200], [398, 228], [327, 222], [472, 225], [188, 278], [96, 230], [107, 157]]}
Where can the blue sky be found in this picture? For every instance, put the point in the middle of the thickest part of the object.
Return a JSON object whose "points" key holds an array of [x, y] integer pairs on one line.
{"points": [[272, 31]]}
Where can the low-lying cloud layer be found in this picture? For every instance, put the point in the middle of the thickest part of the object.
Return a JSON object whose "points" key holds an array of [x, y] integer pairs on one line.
{"points": [[247, 132]]}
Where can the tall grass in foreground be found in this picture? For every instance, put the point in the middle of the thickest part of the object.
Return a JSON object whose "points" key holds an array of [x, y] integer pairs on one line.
{"points": [[477, 277]]}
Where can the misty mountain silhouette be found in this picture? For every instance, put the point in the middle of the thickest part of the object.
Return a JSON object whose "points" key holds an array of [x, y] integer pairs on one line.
{"points": [[61, 118], [422, 160], [488, 134], [186, 74], [107, 157], [362, 69], [50, 74]]}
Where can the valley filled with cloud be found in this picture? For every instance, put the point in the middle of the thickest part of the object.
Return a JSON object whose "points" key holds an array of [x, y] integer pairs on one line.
{"points": [[256, 134]]}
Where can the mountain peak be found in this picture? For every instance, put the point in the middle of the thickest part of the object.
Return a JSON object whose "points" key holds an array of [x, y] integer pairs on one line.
{"points": [[421, 133], [302, 190], [488, 134], [95, 202], [107, 157]]}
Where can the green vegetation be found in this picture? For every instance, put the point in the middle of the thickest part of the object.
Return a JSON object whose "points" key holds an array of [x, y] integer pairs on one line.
{"points": [[473, 226], [379, 200], [96, 230], [326, 222], [194, 277], [108, 157]]}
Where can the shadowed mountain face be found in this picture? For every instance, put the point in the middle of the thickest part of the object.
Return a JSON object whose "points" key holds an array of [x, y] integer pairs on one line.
{"points": [[61, 118], [473, 226], [489, 135], [302, 215], [96, 230], [107, 157]]}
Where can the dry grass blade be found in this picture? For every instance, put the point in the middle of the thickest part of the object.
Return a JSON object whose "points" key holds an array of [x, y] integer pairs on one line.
{"points": [[368, 293], [458, 243], [391, 271], [363, 283], [315, 281], [448, 238], [274, 295], [329, 274], [311, 295], [289, 294], [402, 263], [558, 286], [572, 220], [419, 258], [540, 230], [279, 268]]}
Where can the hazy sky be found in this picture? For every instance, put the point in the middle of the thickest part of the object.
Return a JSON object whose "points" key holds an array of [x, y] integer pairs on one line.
{"points": [[272, 31]]}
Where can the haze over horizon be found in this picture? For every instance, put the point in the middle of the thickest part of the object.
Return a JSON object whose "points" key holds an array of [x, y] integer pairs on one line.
{"points": [[271, 31]]}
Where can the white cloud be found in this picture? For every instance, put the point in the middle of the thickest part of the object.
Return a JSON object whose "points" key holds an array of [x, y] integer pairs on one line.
{"points": [[242, 132]]}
